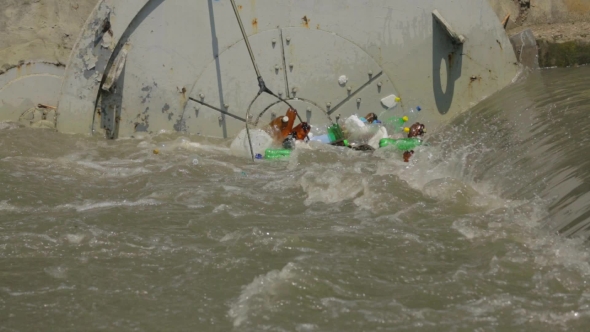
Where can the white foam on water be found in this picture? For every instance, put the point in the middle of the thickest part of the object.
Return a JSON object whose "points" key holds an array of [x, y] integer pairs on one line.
{"points": [[9, 125], [306, 328], [445, 178], [330, 186], [230, 236], [90, 205], [185, 144], [260, 142], [221, 208], [146, 145], [75, 238], [40, 236], [463, 227], [231, 210], [301, 145], [259, 294], [57, 272], [5, 206], [281, 184], [448, 178], [450, 189], [109, 171], [82, 163]]}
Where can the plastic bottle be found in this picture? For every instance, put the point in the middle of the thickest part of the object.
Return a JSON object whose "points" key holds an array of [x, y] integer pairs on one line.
{"points": [[396, 124], [341, 143], [283, 126], [322, 139], [292, 115], [335, 133], [301, 131], [404, 144], [272, 154], [276, 127], [279, 123]]}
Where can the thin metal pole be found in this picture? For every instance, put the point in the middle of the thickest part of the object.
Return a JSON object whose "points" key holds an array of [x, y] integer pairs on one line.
{"points": [[233, 3], [261, 83]]}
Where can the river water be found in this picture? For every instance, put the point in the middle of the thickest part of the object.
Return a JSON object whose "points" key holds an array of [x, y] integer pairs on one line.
{"points": [[106, 235]]}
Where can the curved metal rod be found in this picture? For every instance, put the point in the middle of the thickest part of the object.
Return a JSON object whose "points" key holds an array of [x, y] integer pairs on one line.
{"points": [[248, 128], [302, 99], [233, 3], [281, 100], [261, 84]]}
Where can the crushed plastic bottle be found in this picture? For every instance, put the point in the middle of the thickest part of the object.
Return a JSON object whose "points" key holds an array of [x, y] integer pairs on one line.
{"points": [[301, 131], [381, 133], [272, 154], [356, 129], [335, 133], [396, 124], [280, 127], [404, 144]]}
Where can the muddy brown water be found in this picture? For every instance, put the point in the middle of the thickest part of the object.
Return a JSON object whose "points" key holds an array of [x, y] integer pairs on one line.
{"points": [[102, 235]]}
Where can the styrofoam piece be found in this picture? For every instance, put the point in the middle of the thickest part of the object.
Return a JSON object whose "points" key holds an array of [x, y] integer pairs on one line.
{"points": [[260, 142], [381, 134]]}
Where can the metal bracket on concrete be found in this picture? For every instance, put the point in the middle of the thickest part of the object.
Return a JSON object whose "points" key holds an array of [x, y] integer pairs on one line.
{"points": [[116, 70], [455, 37], [217, 109], [356, 92]]}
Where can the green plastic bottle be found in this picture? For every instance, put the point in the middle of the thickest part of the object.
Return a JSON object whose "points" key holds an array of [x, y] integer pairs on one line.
{"points": [[404, 144], [396, 124], [272, 154], [335, 133]]}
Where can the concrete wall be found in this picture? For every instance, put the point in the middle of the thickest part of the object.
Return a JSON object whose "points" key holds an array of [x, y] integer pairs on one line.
{"points": [[33, 30], [36, 39]]}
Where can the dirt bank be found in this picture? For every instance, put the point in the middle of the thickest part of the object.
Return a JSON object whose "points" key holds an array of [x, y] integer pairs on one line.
{"points": [[535, 13], [561, 28]]}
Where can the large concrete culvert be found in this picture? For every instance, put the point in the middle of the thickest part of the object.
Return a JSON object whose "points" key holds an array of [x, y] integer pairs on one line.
{"points": [[147, 66]]}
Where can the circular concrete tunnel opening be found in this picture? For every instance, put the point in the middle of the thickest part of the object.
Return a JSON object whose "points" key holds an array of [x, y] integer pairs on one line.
{"points": [[184, 66]]}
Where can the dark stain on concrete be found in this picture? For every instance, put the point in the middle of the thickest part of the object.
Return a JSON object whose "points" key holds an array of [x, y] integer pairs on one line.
{"points": [[180, 125], [144, 125]]}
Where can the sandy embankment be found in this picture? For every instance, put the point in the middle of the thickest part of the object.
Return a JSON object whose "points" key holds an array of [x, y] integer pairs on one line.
{"points": [[561, 28]]}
